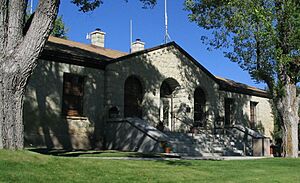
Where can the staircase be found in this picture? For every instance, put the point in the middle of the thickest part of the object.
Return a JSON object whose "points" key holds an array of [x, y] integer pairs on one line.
{"points": [[203, 143], [133, 134]]}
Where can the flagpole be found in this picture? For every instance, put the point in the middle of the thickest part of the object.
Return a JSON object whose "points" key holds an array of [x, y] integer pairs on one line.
{"points": [[166, 23], [31, 6]]}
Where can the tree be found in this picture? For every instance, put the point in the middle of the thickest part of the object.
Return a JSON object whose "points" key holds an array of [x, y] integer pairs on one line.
{"points": [[21, 42], [263, 37], [59, 28]]}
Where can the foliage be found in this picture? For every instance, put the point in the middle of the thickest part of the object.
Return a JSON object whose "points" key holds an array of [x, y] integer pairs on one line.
{"points": [[59, 29], [90, 5], [24, 166], [87, 5], [262, 36], [252, 31]]}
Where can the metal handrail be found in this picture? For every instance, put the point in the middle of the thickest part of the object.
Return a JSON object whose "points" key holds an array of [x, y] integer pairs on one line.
{"points": [[190, 125], [241, 130], [140, 129]]}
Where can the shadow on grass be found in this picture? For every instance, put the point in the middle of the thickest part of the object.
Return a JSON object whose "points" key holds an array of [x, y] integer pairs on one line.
{"points": [[92, 153], [158, 158]]}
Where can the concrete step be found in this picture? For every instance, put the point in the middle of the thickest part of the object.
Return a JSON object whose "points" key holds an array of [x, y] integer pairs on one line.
{"points": [[204, 144]]}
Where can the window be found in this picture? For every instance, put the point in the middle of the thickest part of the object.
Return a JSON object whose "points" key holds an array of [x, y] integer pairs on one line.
{"points": [[133, 97], [72, 95], [253, 114], [229, 109], [199, 108]]}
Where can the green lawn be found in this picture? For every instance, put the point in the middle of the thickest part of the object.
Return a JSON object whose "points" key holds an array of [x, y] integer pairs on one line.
{"points": [[92, 153], [26, 166]]}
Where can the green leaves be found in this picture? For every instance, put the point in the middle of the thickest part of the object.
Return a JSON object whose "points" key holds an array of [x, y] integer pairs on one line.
{"points": [[87, 5], [90, 5], [59, 29], [255, 31]]}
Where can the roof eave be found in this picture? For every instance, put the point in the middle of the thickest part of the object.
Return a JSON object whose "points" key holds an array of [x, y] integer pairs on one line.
{"points": [[62, 53]]}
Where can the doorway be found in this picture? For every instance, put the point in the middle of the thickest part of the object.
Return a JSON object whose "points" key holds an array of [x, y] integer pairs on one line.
{"points": [[167, 94]]}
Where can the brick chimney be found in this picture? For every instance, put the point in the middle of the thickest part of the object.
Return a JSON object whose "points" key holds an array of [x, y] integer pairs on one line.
{"points": [[137, 45], [97, 37]]}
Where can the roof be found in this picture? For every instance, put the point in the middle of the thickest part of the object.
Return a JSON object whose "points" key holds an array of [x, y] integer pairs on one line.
{"points": [[233, 86], [88, 47], [71, 52], [66, 51]]}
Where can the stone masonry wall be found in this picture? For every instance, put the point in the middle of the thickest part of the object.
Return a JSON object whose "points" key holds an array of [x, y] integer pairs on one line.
{"points": [[156, 66], [45, 125], [152, 69], [264, 116]]}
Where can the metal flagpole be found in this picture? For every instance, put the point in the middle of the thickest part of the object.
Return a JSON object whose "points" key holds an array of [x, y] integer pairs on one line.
{"points": [[31, 6], [167, 37]]}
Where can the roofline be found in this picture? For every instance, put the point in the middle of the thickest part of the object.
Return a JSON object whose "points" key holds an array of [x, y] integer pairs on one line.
{"points": [[164, 46], [93, 61], [222, 85], [51, 40], [245, 91], [141, 52], [71, 59]]}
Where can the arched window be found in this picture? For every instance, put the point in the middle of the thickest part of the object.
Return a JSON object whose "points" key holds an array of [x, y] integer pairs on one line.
{"points": [[168, 86], [165, 90], [133, 97], [199, 108]]}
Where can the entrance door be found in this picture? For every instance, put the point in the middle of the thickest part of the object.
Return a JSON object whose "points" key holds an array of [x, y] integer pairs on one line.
{"points": [[167, 89], [165, 111]]}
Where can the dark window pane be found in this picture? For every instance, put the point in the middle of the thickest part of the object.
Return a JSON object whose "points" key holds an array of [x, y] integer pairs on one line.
{"points": [[72, 94], [133, 97], [229, 109], [252, 114], [199, 108]]}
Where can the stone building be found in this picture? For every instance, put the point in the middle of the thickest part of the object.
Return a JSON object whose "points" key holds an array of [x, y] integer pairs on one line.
{"points": [[87, 96]]}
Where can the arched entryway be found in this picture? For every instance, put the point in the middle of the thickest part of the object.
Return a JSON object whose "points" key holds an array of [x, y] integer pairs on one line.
{"points": [[133, 97], [199, 108], [167, 91]]}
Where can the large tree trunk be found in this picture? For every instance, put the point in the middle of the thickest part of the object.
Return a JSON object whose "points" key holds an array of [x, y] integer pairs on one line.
{"points": [[19, 50], [288, 108], [12, 93]]}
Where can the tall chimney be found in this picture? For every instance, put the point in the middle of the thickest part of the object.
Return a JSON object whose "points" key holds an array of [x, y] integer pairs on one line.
{"points": [[97, 37], [137, 45]]}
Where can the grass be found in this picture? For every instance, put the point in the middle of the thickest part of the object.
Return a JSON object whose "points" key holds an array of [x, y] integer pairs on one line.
{"points": [[92, 153], [26, 166]]}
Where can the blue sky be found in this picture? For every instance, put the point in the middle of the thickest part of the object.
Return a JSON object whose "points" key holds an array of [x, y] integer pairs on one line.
{"points": [[113, 17]]}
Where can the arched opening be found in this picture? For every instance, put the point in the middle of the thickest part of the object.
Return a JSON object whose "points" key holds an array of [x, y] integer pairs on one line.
{"points": [[133, 97], [167, 89], [199, 108]]}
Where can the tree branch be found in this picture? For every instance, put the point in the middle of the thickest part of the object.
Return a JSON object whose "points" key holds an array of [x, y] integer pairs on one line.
{"points": [[37, 34], [3, 25], [15, 24]]}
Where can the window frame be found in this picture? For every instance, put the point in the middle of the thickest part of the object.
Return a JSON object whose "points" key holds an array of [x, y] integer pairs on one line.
{"points": [[253, 114], [66, 108], [229, 112]]}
